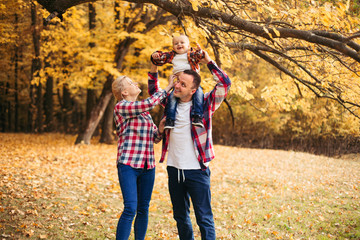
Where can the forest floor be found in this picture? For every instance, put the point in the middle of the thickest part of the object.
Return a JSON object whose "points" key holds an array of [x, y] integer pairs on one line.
{"points": [[53, 189]]}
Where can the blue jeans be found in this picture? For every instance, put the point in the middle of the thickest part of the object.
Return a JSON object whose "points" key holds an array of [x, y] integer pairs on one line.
{"points": [[196, 186], [136, 187], [197, 109]]}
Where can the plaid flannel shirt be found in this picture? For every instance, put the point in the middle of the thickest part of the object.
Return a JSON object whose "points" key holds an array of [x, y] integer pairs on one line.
{"points": [[193, 56], [202, 137], [136, 131]]}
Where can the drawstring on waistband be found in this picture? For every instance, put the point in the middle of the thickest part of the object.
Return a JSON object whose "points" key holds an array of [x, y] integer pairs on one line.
{"points": [[183, 174]]}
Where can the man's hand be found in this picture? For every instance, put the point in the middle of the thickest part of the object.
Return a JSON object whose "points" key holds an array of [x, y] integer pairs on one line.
{"points": [[206, 59], [172, 78]]}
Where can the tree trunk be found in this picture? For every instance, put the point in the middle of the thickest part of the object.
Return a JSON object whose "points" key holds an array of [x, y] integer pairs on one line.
{"points": [[49, 104], [66, 109], [39, 108], [78, 116], [98, 110], [107, 135], [31, 111], [36, 65], [8, 107], [91, 93], [90, 104], [3, 106], [16, 95], [96, 113]]}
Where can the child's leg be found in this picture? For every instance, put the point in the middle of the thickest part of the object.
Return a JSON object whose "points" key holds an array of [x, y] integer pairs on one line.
{"points": [[170, 110], [198, 103], [197, 112]]}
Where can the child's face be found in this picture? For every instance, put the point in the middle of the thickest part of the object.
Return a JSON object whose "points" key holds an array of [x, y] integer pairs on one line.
{"points": [[181, 44]]}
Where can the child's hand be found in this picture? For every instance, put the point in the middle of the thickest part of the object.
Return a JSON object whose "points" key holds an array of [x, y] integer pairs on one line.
{"points": [[198, 47], [206, 59], [155, 55]]}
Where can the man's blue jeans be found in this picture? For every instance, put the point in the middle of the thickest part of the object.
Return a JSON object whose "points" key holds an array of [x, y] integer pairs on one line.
{"points": [[136, 187], [197, 109], [194, 184]]}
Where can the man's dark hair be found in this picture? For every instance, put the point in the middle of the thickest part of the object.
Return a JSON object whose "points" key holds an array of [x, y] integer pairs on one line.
{"points": [[196, 78]]}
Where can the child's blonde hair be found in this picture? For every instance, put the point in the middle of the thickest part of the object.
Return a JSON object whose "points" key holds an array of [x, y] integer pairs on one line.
{"points": [[117, 87], [181, 36]]}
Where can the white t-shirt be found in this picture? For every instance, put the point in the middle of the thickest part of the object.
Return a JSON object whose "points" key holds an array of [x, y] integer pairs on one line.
{"points": [[182, 153], [180, 63]]}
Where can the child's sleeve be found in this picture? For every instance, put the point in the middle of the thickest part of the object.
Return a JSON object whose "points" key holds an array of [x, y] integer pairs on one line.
{"points": [[165, 57]]}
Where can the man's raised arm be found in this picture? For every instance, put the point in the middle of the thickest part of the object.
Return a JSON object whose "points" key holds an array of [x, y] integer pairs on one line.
{"points": [[215, 97]]}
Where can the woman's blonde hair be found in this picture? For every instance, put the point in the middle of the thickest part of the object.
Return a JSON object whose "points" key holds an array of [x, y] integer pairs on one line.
{"points": [[118, 86]]}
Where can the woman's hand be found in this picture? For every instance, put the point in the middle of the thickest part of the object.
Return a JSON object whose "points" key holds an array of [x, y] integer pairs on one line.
{"points": [[162, 125]]}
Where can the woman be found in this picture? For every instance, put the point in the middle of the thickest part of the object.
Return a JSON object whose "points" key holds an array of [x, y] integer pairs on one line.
{"points": [[135, 156]]}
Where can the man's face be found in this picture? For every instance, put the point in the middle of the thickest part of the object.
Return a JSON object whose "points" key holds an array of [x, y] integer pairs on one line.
{"points": [[184, 87], [181, 44]]}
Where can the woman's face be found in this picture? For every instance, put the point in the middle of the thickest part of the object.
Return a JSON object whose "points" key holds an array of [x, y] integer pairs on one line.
{"points": [[131, 87]]}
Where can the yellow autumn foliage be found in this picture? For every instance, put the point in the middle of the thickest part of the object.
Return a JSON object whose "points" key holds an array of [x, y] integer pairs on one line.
{"points": [[83, 59]]}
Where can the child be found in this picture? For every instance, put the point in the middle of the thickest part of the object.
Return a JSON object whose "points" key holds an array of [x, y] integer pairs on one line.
{"points": [[183, 57]]}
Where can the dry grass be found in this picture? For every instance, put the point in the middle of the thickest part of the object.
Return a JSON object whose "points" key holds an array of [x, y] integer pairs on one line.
{"points": [[51, 189]]}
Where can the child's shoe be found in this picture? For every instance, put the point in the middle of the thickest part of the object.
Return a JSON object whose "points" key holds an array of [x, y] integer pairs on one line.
{"points": [[169, 123], [197, 121]]}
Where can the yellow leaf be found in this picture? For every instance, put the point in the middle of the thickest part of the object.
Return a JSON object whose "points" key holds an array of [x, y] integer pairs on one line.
{"points": [[267, 216], [277, 33], [267, 31], [195, 5]]}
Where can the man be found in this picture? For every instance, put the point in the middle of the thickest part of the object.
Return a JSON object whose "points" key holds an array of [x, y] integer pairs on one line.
{"points": [[191, 149]]}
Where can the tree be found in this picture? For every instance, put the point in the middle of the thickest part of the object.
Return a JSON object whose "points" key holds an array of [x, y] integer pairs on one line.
{"points": [[138, 18], [14, 70], [282, 34], [289, 100]]}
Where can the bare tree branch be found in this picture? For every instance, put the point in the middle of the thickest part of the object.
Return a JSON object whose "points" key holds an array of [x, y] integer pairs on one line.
{"points": [[316, 89], [272, 36]]}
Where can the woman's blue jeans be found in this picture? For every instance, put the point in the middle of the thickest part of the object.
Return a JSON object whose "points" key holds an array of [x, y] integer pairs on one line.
{"points": [[136, 187], [195, 185]]}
